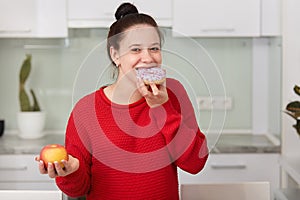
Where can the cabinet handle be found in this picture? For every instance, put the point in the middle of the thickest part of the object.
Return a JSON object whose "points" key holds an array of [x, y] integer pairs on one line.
{"points": [[15, 31], [218, 30], [223, 166], [21, 168]]}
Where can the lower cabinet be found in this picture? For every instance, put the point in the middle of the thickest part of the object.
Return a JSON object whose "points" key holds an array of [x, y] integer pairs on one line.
{"points": [[20, 172], [230, 168]]}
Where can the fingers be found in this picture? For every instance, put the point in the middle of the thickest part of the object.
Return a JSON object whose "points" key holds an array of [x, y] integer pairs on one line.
{"points": [[51, 170], [142, 88], [155, 95], [60, 171], [154, 89], [55, 169], [42, 167]]}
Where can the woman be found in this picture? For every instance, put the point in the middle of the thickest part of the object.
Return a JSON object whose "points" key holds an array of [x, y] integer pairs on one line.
{"points": [[126, 140]]}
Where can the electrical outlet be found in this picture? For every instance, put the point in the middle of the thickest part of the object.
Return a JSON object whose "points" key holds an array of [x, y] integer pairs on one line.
{"points": [[214, 103]]}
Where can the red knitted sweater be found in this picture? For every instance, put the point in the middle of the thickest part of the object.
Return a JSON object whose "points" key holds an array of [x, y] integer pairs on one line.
{"points": [[132, 151]]}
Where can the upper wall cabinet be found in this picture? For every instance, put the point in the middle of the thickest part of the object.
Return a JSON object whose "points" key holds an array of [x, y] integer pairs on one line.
{"points": [[216, 18], [227, 18], [271, 17], [33, 18], [95, 13]]}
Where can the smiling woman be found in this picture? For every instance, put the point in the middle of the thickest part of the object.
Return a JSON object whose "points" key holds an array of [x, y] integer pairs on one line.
{"points": [[126, 139]]}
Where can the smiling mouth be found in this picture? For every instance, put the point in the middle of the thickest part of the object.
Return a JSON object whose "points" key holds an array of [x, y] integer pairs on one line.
{"points": [[148, 65]]}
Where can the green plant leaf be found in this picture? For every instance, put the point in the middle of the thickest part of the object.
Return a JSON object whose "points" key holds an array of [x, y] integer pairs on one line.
{"points": [[25, 69], [24, 101], [293, 106], [297, 127], [294, 115], [36, 106], [23, 96], [297, 89]]}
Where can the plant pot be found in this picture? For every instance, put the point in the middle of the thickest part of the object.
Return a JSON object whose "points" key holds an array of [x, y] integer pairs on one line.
{"points": [[31, 124]]}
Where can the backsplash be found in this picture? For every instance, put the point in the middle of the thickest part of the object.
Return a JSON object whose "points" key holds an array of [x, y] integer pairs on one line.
{"points": [[66, 70]]}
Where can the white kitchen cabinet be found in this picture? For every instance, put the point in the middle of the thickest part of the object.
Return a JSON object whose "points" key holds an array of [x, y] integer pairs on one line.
{"points": [[216, 18], [222, 168], [95, 14], [33, 18], [16, 17], [21, 172], [271, 17]]}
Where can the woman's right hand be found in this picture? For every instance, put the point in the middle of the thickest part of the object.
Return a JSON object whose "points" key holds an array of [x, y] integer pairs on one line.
{"points": [[55, 169], [156, 97]]}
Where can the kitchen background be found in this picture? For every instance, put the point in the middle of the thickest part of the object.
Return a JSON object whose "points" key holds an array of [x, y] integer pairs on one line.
{"points": [[247, 50], [60, 75]]}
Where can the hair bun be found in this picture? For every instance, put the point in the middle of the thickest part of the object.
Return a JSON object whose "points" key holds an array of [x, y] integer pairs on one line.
{"points": [[125, 9]]}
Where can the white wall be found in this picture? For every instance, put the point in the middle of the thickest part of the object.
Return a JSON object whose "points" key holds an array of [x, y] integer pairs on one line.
{"points": [[290, 74]]}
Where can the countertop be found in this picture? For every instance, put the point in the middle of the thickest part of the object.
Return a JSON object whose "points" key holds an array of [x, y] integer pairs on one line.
{"points": [[226, 143], [244, 143], [288, 194], [12, 144]]}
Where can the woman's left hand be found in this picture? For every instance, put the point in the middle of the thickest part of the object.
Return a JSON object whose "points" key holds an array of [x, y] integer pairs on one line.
{"points": [[55, 169], [154, 95]]}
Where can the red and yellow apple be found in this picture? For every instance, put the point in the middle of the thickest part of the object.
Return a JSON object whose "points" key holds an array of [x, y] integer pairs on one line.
{"points": [[53, 152]]}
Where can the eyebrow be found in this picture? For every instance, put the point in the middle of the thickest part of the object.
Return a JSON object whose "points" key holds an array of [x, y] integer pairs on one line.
{"points": [[155, 43]]}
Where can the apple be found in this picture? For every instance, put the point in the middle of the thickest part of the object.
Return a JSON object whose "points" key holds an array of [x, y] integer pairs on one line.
{"points": [[53, 152]]}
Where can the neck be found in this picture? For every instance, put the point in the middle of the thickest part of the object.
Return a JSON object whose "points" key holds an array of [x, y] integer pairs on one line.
{"points": [[122, 92]]}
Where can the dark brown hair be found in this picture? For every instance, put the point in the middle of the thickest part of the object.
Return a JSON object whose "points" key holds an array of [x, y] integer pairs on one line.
{"points": [[127, 16]]}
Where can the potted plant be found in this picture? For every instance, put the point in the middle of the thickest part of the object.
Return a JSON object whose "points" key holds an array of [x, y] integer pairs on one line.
{"points": [[31, 119], [293, 109]]}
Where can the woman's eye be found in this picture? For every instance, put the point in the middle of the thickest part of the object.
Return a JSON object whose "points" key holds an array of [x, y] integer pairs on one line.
{"points": [[154, 49], [136, 49]]}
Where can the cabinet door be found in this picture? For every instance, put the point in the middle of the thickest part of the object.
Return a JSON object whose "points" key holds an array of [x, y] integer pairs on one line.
{"points": [[160, 10], [16, 17], [21, 172], [271, 17], [33, 18], [94, 13], [51, 19], [222, 168], [216, 18], [91, 13]]}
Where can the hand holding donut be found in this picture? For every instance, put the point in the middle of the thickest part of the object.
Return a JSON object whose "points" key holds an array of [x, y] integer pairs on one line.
{"points": [[151, 84]]}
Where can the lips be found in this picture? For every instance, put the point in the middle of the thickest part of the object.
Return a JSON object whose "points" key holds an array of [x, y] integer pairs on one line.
{"points": [[151, 65]]}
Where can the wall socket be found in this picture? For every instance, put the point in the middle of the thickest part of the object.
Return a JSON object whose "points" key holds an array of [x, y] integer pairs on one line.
{"points": [[214, 103]]}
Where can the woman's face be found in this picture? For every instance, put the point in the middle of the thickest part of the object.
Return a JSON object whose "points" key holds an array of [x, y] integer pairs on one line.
{"points": [[139, 47]]}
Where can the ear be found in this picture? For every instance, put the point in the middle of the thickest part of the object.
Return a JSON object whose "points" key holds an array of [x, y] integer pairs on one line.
{"points": [[114, 54]]}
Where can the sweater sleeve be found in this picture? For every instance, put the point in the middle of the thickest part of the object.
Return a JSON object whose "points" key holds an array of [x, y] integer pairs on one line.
{"points": [[78, 183], [186, 143]]}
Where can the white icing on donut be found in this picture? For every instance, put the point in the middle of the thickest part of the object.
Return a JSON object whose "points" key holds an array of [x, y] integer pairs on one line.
{"points": [[151, 75]]}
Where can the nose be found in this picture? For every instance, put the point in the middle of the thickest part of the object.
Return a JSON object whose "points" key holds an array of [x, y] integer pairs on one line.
{"points": [[146, 56]]}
